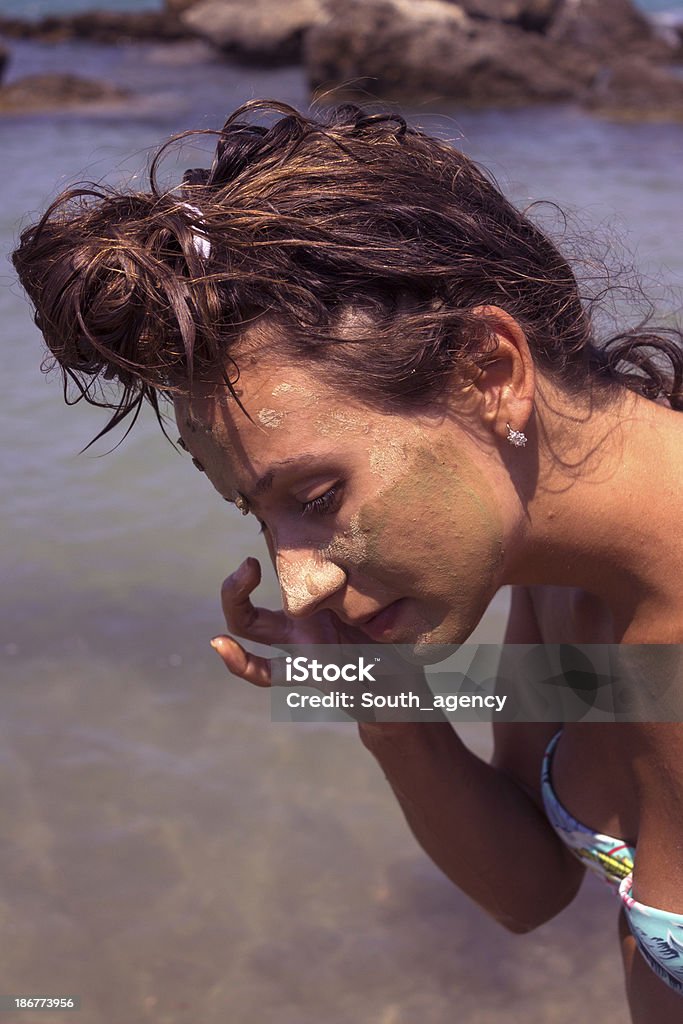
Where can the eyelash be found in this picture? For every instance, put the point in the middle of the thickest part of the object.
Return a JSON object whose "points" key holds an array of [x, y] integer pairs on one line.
{"points": [[325, 504]]}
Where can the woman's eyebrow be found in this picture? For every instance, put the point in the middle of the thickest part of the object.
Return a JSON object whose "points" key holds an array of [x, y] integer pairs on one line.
{"points": [[265, 482]]}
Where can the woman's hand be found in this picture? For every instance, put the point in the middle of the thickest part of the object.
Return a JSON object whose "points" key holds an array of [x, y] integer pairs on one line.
{"points": [[393, 674], [265, 626]]}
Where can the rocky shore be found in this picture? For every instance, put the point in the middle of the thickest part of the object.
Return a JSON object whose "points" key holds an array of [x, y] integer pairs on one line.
{"points": [[53, 92], [261, 31], [604, 55], [38, 93], [99, 27]]}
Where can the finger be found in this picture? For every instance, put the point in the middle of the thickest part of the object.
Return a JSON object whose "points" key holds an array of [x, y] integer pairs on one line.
{"points": [[247, 666], [241, 616]]}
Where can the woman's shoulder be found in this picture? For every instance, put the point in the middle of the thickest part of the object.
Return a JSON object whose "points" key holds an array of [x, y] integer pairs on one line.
{"points": [[570, 615]]}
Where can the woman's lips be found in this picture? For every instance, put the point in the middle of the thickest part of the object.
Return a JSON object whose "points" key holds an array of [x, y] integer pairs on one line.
{"points": [[382, 623]]}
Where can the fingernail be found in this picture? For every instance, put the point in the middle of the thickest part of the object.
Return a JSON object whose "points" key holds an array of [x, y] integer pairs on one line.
{"points": [[217, 643]]}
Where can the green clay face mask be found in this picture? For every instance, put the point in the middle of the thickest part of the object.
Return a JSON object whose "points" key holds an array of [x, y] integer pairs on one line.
{"points": [[415, 519], [451, 559], [428, 530]]}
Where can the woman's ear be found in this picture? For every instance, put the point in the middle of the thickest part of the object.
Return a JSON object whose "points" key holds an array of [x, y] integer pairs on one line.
{"points": [[506, 382]]}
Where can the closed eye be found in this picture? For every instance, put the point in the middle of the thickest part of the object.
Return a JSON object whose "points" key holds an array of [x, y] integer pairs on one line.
{"points": [[325, 504]]}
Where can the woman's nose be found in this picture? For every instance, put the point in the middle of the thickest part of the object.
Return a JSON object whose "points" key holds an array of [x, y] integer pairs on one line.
{"points": [[306, 581]]}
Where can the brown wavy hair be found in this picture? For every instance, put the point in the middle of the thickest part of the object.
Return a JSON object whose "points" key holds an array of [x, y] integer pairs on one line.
{"points": [[301, 221]]}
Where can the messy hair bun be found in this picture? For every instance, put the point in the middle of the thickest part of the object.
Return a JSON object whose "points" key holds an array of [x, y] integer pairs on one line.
{"points": [[305, 220], [116, 281]]}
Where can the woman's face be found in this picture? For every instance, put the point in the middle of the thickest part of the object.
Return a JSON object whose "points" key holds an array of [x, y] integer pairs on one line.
{"points": [[363, 512]]}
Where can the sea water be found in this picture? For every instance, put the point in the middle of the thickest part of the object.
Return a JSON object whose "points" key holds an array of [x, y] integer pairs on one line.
{"points": [[170, 854]]}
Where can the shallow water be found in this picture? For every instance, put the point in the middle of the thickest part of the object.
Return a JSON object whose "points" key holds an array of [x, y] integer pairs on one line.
{"points": [[172, 855]]}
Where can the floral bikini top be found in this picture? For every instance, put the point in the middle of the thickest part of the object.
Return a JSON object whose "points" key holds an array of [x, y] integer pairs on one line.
{"points": [[658, 933]]}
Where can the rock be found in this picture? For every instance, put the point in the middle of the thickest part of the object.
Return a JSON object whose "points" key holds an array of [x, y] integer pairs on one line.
{"points": [[98, 27], [55, 92], [531, 15], [601, 53], [432, 48], [607, 28], [632, 89], [261, 31]]}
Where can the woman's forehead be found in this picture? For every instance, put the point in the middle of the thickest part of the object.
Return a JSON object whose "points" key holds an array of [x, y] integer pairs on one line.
{"points": [[269, 394]]}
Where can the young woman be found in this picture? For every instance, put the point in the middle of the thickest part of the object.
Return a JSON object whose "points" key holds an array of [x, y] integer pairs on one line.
{"points": [[372, 351]]}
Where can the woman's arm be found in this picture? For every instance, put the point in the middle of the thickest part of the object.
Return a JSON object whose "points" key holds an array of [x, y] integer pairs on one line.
{"points": [[480, 823], [477, 824]]}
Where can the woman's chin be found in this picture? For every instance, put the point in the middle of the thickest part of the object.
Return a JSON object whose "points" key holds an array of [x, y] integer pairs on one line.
{"points": [[435, 643]]}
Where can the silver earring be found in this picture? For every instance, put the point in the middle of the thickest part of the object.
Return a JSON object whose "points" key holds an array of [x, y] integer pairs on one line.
{"points": [[516, 437], [242, 504]]}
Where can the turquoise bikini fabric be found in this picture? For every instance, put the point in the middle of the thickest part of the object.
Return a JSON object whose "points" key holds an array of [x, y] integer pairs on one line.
{"points": [[658, 933]]}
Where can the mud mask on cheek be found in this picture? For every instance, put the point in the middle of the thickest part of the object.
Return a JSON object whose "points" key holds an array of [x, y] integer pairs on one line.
{"points": [[437, 525], [350, 546]]}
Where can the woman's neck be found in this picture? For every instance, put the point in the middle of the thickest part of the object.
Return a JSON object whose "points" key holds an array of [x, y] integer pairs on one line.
{"points": [[607, 512]]}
